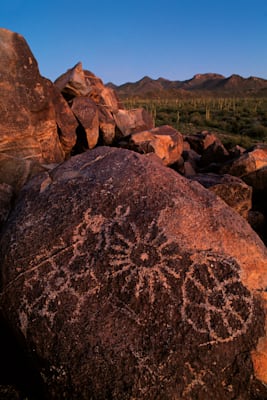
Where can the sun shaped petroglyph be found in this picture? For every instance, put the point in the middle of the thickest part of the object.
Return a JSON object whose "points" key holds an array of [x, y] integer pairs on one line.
{"points": [[215, 302], [143, 258]]}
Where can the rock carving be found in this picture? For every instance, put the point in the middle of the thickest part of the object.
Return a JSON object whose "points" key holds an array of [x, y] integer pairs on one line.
{"points": [[214, 300]]}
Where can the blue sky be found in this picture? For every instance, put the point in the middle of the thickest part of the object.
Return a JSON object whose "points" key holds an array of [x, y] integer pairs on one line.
{"points": [[122, 41]]}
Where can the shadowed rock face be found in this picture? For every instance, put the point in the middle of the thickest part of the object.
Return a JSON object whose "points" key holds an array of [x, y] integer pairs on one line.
{"points": [[128, 281], [235, 192]]}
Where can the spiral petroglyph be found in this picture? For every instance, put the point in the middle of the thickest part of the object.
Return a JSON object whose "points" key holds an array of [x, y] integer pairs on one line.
{"points": [[214, 300]]}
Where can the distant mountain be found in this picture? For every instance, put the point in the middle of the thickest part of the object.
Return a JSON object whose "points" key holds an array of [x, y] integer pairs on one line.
{"points": [[209, 84]]}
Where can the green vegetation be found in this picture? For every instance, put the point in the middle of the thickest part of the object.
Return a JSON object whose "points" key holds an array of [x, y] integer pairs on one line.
{"points": [[240, 121]]}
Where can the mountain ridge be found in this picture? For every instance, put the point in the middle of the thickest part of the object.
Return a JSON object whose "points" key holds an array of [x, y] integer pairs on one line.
{"points": [[200, 84]]}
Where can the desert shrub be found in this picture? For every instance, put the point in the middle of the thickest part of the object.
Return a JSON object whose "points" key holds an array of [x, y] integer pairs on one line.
{"points": [[196, 118], [241, 140], [257, 131], [244, 120]]}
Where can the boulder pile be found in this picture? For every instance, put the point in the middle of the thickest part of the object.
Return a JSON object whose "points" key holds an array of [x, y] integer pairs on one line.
{"points": [[129, 268]]}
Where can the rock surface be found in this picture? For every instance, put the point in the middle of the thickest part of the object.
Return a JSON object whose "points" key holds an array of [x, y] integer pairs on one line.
{"points": [[132, 121], [6, 196], [73, 83], [36, 125], [236, 193], [250, 161], [32, 132], [165, 141], [78, 82], [214, 153], [87, 114], [107, 125], [135, 283], [199, 142]]}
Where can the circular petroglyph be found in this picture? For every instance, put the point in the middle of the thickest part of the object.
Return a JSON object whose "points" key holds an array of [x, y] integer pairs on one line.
{"points": [[215, 302], [143, 258]]}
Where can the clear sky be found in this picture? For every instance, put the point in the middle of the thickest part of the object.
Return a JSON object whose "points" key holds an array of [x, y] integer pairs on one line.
{"points": [[122, 41]]}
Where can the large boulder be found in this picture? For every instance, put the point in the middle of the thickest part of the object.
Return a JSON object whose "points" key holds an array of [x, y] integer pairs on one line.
{"points": [[77, 85], [235, 192], [86, 112], [32, 128], [107, 126], [250, 161], [28, 120], [135, 283], [215, 154], [100, 93], [16, 171], [66, 121], [258, 181], [73, 83], [199, 142], [131, 121], [77, 82], [165, 141]]}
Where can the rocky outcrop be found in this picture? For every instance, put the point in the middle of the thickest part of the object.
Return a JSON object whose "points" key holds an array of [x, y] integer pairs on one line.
{"points": [[66, 122], [204, 154], [209, 147], [86, 113], [77, 82], [201, 141], [114, 121], [214, 154], [29, 123], [39, 128], [31, 133], [250, 161], [119, 277], [135, 283], [165, 141], [235, 192], [107, 126], [73, 83], [132, 121]]}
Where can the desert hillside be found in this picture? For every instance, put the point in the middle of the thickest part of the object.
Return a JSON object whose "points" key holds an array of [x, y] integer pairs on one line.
{"points": [[210, 84]]}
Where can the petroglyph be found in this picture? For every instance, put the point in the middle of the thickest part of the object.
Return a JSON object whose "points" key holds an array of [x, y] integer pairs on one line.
{"points": [[140, 261], [194, 378], [143, 259], [214, 300], [66, 271]]}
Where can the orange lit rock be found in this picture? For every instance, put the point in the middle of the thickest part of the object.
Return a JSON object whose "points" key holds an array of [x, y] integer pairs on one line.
{"points": [[165, 141], [135, 283], [131, 121]]}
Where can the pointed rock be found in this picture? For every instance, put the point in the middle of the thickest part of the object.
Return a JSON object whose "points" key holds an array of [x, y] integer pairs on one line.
{"points": [[86, 112], [73, 83]]}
